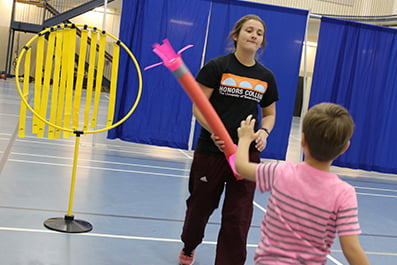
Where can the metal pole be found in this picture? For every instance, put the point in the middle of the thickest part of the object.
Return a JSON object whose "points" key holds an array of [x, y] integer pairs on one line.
{"points": [[105, 7], [10, 45], [193, 120], [304, 92]]}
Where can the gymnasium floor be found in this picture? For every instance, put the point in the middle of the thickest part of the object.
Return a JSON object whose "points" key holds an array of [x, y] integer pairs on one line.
{"points": [[134, 196]]}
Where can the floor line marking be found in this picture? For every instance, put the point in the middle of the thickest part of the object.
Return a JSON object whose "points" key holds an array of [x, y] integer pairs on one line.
{"points": [[90, 234], [185, 153], [377, 195], [167, 168], [14, 229], [69, 143], [263, 209], [337, 262], [135, 171], [98, 168], [369, 188], [100, 161]]}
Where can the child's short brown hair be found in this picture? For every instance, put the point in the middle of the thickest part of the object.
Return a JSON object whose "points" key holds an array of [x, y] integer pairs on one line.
{"points": [[327, 128]]}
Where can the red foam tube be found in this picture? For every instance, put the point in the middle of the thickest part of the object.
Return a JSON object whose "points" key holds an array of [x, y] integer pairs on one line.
{"points": [[176, 65], [214, 122]]}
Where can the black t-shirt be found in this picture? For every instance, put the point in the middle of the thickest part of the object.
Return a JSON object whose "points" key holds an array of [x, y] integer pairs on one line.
{"points": [[238, 90]]}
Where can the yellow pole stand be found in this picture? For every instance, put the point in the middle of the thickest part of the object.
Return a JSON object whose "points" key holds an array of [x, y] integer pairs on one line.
{"points": [[64, 109], [73, 182]]}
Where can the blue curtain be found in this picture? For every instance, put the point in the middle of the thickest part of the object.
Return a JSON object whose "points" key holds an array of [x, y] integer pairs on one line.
{"points": [[163, 116], [356, 67]]}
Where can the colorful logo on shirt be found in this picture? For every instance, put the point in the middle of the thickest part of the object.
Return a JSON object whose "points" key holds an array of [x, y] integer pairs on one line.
{"points": [[242, 87]]}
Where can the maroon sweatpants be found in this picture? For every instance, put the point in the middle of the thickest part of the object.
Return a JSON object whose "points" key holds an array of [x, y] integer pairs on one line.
{"points": [[209, 176]]}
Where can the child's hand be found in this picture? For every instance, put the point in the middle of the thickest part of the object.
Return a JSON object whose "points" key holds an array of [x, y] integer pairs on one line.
{"points": [[246, 129]]}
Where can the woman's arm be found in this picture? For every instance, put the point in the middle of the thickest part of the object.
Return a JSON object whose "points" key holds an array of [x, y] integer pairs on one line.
{"points": [[268, 120], [269, 116]]}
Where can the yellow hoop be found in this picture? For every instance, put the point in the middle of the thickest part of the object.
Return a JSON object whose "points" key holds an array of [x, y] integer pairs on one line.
{"points": [[43, 119]]}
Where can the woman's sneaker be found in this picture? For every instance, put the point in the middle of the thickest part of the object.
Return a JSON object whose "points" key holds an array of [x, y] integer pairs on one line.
{"points": [[186, 258]]}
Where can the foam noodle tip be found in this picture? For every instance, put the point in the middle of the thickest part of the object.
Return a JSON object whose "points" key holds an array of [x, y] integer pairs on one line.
{"points": [[170, 58]]}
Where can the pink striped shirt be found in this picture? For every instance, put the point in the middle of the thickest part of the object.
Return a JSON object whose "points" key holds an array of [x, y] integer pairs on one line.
{"points": [[307, 207]]}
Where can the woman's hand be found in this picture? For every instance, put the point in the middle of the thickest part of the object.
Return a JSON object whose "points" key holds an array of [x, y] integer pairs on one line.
{"points": [[261, 140], [218, 142]]}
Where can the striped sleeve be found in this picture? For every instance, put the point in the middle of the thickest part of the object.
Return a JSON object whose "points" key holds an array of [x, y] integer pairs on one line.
{"points": [[347, 215], [265, 173]]}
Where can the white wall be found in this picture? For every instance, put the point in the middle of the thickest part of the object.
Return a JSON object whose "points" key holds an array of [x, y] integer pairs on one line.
{"points": [[5, 18], [380, 7], [93, 18], [394, 9], [6, 6], [358, 8]]}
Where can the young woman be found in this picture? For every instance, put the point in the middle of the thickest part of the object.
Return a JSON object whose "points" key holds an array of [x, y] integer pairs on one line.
{"points": [[235, 84]]}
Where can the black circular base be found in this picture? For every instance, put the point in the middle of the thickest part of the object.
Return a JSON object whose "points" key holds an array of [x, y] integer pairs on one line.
{"points": [[67, 225]]}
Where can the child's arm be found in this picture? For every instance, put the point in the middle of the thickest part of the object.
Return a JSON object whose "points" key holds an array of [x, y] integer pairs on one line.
{"points": [[352, 250], [246, 135]]}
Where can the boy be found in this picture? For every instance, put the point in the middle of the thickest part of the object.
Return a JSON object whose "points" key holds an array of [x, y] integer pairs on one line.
{"points": [[308, 205]]}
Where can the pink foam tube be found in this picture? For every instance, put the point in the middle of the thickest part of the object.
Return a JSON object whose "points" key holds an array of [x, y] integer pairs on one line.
{"points": [[175, 64]]}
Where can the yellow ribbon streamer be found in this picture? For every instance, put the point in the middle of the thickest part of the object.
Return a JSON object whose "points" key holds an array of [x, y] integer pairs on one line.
{"points": [[99, 77], [46, 84], [38, 81], [80, 78], [60, 79], [113, 84], [62, 83], [90, 78], [55, 84], [26, 81], [70, 53]]}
